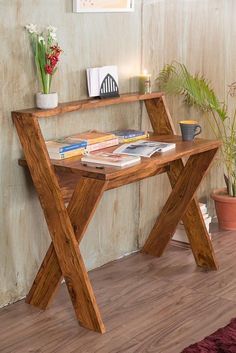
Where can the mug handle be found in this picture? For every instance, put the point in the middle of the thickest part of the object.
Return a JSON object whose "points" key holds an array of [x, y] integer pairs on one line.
{"points": [[197, 132]]}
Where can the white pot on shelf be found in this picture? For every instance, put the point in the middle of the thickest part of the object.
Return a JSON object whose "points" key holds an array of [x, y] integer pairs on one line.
{"points": [[46, 101]]}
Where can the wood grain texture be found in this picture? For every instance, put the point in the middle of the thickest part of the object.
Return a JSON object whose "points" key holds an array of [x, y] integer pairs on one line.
{"points": [[58, 221], [25, 239], [87, 104], [63, 256], [158, 108], [81, 208], [145, 168], [193, 220], [178, 202], [149, 304], [68, 181], [195, 227], [185, 40]]}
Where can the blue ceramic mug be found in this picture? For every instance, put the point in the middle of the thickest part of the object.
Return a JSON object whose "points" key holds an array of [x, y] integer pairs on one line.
{"points": [[189, 129]]}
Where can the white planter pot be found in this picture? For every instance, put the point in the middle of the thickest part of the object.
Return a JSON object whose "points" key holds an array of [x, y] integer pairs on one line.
{"points": [[46, 101]]}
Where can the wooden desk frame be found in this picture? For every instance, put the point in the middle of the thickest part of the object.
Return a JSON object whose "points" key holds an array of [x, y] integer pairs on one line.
{"points": [[67, 225]]}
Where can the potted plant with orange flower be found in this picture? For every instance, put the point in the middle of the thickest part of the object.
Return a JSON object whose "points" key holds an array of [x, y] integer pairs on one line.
{"points": [[197, 92], [46, 56]]}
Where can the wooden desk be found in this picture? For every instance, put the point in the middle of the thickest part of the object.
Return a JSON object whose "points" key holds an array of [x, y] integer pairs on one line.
{"points": [[68, 180]]}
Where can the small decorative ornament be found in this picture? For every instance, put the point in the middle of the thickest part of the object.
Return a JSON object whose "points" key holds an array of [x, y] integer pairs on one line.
{"points": [[46, 54], [103, 81]]}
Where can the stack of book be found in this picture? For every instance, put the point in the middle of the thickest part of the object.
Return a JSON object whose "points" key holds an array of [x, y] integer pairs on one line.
{"points": [[96, 140], [180, 235], [130, 135], [63, 148], [93, 140], [80, 143]]}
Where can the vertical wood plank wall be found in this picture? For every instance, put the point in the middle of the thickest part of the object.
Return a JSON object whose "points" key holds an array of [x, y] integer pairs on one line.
{"points": [[87, 40], [200, 33]]}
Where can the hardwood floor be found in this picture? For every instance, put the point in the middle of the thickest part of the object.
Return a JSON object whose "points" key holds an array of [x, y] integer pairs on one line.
{"points": [[148, 305]]}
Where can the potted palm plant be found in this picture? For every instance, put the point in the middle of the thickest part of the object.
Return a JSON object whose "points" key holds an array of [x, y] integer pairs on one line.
{"points": [[175, 79]]}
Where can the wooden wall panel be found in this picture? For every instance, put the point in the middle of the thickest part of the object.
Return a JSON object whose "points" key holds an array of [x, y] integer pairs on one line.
{"points": [[200, 34], [87, 40]]}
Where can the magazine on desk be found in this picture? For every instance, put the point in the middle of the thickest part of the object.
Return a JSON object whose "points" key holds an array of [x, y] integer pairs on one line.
{"points": [[144, 148]]}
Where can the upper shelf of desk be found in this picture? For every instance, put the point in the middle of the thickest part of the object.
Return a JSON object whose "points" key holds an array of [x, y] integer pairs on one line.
{"points": [[87, 104]]}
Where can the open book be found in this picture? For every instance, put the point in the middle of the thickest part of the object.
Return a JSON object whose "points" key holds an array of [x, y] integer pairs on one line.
{"points": [[144, 148]]}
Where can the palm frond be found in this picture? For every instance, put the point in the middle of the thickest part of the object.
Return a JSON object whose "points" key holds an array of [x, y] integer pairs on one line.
{"points": [[175, 79]]}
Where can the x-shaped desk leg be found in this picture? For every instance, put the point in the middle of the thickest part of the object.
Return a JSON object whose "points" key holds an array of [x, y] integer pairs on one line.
{"points": [[178, 202], [63, 257], [195, 228], [82, 205]]}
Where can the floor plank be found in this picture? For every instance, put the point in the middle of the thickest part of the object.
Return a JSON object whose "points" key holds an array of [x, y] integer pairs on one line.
{"points": [[148, 305]]}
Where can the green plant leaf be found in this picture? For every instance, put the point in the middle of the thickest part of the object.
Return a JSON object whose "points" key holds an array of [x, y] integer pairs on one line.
{"points": [[175, 79]]}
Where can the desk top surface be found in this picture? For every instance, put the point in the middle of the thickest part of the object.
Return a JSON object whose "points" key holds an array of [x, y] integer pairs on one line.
{"points": [[158, 160]]}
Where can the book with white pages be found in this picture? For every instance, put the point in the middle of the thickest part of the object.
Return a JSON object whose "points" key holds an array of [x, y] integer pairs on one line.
{"points": [[96, 77], [102, 159], [144, 148], [93, 81], [180, 233]]}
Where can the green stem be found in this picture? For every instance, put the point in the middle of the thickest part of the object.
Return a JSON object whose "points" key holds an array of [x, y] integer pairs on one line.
{"points": [[234, 120], [218, 127], [42, 75], [47, 86], [212, 127]]}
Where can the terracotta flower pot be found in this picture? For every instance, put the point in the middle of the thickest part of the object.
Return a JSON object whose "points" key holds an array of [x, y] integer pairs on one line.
{"points": [[225, 206]]}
